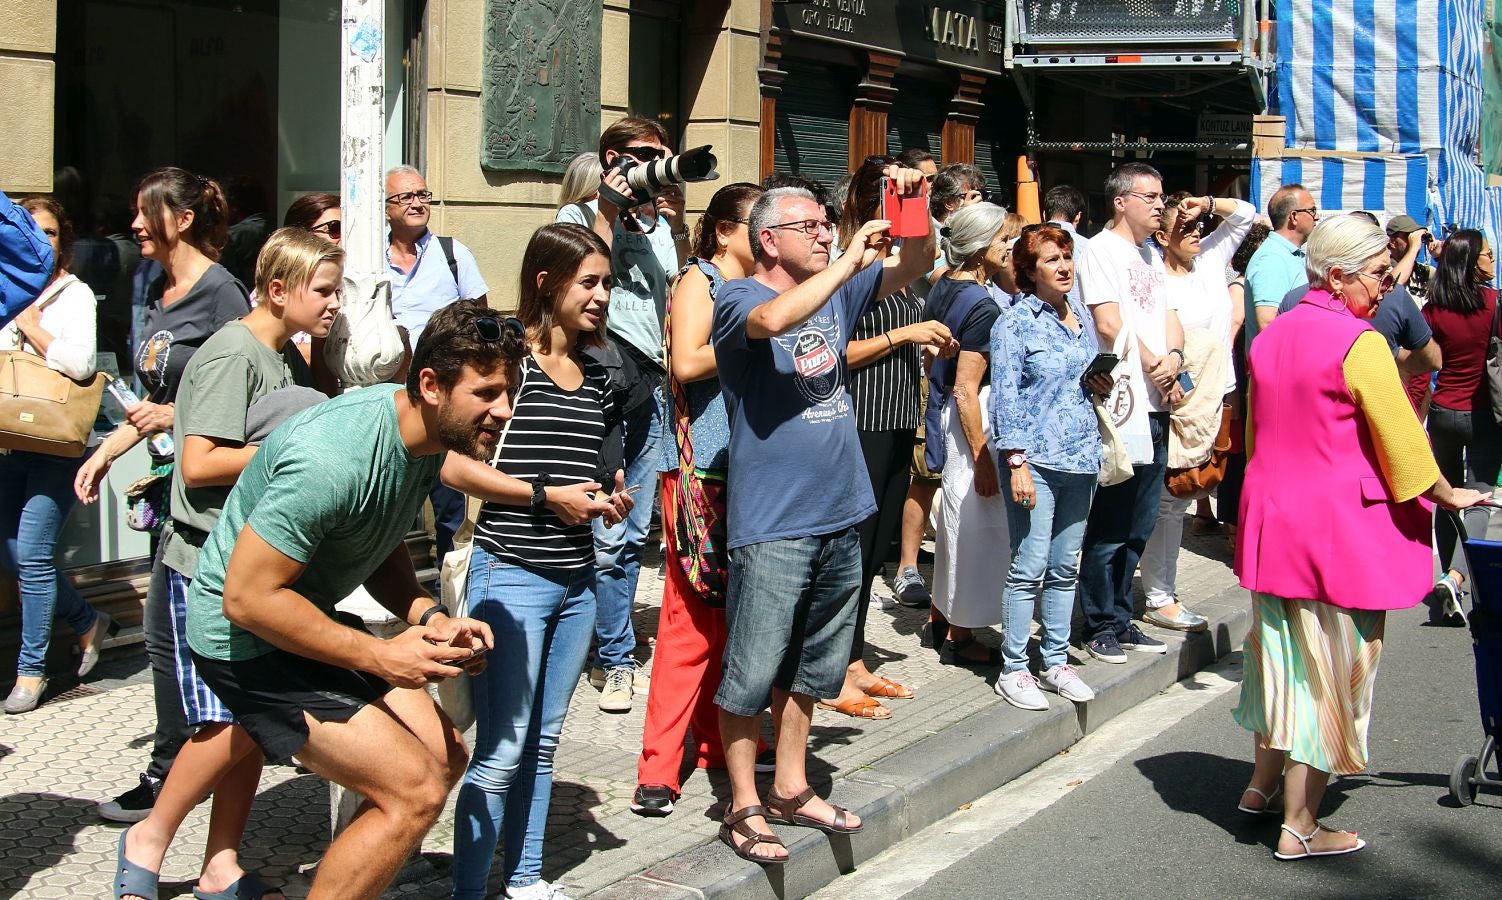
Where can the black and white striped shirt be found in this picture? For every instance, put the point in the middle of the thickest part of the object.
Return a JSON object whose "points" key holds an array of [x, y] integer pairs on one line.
{"points": [[885, 393], [561, 433]]}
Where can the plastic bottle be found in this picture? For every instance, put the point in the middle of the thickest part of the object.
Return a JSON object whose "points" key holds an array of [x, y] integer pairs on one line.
{"points": [[161, 442]]}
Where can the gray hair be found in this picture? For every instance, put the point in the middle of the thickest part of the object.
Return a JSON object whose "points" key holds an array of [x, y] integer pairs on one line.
{"points": [[766, 211], [971, 230], [1123, 178], [1341, 242], [581, 180], [404, 169]]}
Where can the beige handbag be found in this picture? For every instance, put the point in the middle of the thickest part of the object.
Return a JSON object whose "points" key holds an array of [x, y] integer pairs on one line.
{"points": [[44, 411], [1115, 459]]}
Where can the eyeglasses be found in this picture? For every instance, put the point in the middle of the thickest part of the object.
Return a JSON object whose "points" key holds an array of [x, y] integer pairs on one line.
{"points": [[1311, 210], [405, 198], [1484, 254], [509, 332], [332, 229], [642, 154], [809, 227], [1147, 198], [1198, 226], [1385, 284]]}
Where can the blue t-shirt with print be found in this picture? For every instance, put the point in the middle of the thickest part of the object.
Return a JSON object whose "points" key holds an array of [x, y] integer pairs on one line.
{"points": [[796, 468]]}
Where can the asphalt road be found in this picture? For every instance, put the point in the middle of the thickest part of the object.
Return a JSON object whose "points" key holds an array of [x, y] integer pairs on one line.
{"points": [[1147, 806]]}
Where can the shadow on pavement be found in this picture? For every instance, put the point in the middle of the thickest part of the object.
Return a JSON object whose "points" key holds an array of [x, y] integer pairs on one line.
{"points": [[37, 832]]}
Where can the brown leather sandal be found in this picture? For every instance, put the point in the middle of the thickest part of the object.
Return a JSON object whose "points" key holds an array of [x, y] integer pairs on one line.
{"points": [[787, 813], [735, 824]]}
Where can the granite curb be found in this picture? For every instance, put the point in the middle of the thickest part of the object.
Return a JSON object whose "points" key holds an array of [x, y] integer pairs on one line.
{"points": [[917, 786]]}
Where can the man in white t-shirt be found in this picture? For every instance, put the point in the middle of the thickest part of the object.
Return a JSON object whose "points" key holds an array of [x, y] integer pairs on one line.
{"points": [[1123, 283]]}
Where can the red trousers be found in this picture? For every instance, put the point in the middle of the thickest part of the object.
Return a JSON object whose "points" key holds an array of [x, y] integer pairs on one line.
{"points": [[686, 671]]}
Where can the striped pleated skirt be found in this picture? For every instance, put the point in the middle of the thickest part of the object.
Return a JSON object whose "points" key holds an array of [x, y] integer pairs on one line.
{"points": [[1308, 671]]}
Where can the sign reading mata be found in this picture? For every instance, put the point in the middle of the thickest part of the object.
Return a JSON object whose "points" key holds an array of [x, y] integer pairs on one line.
{"points": [[541, 89]]}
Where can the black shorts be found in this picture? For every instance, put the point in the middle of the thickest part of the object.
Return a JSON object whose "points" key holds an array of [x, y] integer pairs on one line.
{"points": [[269, 695]]}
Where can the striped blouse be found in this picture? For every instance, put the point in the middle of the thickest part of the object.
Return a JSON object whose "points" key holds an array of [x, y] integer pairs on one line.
{"points": [[561, 433], [885, 393]]}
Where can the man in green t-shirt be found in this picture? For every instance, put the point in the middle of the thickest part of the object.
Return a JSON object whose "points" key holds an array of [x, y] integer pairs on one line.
{"points": [[322, 508]]}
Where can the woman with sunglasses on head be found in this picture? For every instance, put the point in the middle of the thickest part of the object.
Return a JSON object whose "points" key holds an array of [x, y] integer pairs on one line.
{"points": [[36, 488], [691, 630], [886, 370], [1462, 313], [1194, 264], [532, 572], [1332, 532]]}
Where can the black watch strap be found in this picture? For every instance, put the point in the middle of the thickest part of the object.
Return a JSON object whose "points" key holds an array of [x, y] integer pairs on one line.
{"points": [[432, 611]]}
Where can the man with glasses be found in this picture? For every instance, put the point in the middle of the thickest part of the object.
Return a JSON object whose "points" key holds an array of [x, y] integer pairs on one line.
{"points": [[1278, 265], [648, 245], [427, 273], [322, 508], [797, 490], [1123, 283]]}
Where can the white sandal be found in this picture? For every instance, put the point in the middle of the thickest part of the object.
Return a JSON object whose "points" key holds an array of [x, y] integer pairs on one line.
{"points": [[1267, 801], [1360, 844]]}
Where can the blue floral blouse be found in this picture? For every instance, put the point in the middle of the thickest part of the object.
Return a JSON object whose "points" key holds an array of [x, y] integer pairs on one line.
{"points": [[1037, 403]]}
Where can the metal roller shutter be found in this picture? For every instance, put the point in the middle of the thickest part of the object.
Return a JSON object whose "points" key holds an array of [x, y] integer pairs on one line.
{"points": [[991, 156], [813, 121], [916, 119]]}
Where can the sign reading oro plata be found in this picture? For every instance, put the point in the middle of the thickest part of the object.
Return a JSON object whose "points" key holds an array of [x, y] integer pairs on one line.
{"points": [[965, 33]]}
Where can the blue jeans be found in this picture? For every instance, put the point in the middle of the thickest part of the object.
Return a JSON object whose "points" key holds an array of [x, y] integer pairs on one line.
{"points": [[542, 621], [1120, 522], [1045, 565], [618, 547], [789, 619], [36, 493]]}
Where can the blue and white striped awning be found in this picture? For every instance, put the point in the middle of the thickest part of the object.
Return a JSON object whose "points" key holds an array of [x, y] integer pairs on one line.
{"points": [[1384, 185]]}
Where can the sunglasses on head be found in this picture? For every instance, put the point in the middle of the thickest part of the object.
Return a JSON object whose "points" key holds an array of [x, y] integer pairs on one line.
{"points": [[509, 332]]}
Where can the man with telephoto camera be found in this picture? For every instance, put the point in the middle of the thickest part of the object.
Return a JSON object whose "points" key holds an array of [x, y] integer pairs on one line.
{"points": [[648, 242]]}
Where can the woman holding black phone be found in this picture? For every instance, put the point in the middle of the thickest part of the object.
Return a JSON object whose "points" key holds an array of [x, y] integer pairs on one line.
{"points": [[1045, 431]]}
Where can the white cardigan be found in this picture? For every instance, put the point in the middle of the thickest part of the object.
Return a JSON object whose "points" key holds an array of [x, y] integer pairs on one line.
{"points": [[69, 313]]}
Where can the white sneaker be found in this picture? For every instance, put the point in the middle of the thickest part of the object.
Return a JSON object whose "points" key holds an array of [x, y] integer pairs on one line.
{"points": [[1066, 682], [1021, 690], [883, 601], [616, 695], [537, 890]]}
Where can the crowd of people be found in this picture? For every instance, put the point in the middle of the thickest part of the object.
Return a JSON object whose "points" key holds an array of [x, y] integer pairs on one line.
{"points": [[802, 395]]}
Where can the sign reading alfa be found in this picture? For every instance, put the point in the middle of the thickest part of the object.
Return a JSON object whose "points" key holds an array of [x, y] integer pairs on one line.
{"points": [[964, 33]]}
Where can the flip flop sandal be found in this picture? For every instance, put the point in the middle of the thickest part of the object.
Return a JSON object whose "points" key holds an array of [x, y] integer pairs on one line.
{"points": [[864, 708], [1303, 839], [785, 812], [735, 824], [1267, 801], [887, 689], [132, 880], [953, 654], [249, 887]]}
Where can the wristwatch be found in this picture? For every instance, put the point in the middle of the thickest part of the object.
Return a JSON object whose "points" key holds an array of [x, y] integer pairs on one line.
{"points": [[1180, 353], [540, 493], [680, 235], [1017, 460]]}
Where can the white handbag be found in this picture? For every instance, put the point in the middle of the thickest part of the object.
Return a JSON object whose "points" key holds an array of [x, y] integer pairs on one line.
{"points": [[456, 695], [364, 346]]}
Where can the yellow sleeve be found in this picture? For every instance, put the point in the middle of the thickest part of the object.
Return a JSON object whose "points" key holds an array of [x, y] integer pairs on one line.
{"points": [[1402, 447]]}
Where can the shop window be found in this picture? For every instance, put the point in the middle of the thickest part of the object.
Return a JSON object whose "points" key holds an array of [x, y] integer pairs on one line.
{"points": [[654, 89]]}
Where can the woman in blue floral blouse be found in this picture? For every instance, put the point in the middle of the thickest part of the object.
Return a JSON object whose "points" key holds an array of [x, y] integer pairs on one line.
{"points": [[1044, 428]]}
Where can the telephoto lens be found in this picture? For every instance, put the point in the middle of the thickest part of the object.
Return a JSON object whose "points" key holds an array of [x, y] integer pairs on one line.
{"points": [[648, 179]]}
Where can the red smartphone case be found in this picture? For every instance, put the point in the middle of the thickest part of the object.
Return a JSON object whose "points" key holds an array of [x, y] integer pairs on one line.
{"points": [[908, 215]]}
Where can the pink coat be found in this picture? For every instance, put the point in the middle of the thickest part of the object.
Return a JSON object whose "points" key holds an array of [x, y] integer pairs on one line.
{"points": [[1318, 521]]}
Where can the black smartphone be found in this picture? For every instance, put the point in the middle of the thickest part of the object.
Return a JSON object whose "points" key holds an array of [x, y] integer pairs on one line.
{"points": [[1102, 364]]}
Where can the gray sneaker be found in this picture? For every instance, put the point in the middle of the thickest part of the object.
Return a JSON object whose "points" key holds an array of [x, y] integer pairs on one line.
{"points": [[909, 589], [1067, 683], [1020, 689], [616, 695], [1183, 620]]}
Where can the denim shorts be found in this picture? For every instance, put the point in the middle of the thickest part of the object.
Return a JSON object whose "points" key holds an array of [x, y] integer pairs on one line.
{"points": [[790, 618]]}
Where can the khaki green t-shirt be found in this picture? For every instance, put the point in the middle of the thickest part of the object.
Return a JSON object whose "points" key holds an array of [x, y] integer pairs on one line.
{"points": [[334, 488], [229, 372]]}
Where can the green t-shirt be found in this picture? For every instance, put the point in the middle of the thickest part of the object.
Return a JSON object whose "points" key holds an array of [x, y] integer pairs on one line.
{"points": [[333, 488], [229, 372]]}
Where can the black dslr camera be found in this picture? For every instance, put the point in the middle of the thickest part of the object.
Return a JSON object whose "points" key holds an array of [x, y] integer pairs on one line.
{"points": [[647, 179]]}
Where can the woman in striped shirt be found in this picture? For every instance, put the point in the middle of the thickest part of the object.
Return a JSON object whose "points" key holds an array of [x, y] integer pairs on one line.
{"points": [[886, 375], [532, 576]]}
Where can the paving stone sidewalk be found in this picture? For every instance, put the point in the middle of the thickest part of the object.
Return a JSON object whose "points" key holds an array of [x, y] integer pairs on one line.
{"points": [[89, 745]]}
